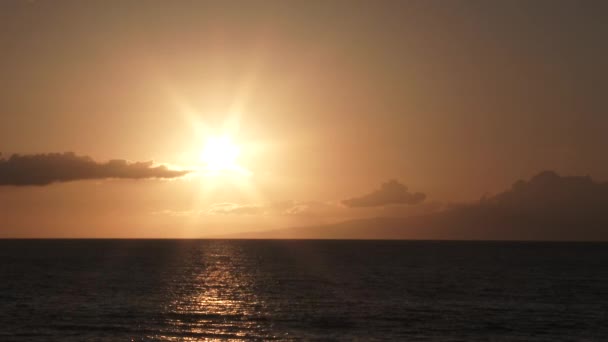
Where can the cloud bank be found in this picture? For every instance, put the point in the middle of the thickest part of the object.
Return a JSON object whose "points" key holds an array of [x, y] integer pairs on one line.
{"points": [[546, 207], [391, 192], [45, 169]]}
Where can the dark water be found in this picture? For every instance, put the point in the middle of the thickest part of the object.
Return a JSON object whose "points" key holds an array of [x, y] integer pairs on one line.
{"points": [[120, 290]]}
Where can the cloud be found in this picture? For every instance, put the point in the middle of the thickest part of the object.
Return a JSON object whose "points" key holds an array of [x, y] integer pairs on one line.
{"points": [[546, 207], [424, 208], [391, 192], [236, 209], [310, 208], [45, 169], [548, 193], [279, 208], [178, 213]]}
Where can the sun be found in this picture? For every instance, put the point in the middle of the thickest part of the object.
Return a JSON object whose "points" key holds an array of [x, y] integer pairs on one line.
{"points": [[220, 155]]}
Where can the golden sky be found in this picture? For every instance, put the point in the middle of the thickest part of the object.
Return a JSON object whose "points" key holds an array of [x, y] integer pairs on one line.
{"points": [[317, 102]]}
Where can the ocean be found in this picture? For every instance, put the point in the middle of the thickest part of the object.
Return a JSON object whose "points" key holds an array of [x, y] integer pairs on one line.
{"points": [[191, 290]]}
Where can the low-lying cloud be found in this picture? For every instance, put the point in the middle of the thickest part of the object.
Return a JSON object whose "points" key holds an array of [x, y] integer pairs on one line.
{"points": [[45, 169], [236, 209], [391, 192], [546, 207], [549, 195], [280, 208]]}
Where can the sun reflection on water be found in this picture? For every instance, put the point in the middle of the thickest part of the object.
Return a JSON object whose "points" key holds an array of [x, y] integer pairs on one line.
{"points": [[213, 298]]}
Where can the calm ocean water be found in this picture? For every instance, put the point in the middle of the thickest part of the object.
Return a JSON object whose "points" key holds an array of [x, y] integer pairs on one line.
{"points": [[189, 290]]}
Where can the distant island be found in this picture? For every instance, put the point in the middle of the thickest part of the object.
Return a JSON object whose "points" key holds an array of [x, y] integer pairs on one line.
{"points": [[547, 207]]}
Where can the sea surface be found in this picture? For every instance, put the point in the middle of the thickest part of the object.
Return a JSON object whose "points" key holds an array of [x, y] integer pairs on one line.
{"points": [[191, 290]]}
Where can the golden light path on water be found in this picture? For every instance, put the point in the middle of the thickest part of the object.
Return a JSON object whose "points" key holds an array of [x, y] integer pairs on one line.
{"points": [[213, 298]]}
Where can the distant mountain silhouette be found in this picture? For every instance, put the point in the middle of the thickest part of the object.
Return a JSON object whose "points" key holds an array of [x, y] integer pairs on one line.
{"points": [[547, 207]]}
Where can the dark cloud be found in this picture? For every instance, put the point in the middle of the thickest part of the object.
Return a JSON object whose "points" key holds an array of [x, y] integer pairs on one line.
{"points": [[44, 169], [548, 191], [391, 192], [546, 207]]}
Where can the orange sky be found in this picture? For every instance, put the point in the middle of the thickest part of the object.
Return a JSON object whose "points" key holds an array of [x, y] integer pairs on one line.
{"points": [[326, 101]]}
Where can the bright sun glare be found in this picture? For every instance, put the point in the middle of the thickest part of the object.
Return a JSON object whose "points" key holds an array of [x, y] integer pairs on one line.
{"points": [[220, 154]]}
